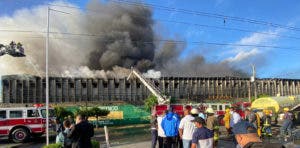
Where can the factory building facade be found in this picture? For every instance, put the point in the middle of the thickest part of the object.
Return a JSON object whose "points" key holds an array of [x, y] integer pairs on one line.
{"points": [[31, 89]]}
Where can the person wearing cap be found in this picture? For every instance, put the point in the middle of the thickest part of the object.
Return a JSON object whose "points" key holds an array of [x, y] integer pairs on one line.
{"points": [[287, 123], [186, 128], [195, 112], [202, 135], [212, 124]]}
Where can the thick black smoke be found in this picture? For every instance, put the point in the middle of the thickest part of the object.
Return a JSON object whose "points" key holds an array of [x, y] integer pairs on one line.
{"points": [[126, 36], [120, 36]]}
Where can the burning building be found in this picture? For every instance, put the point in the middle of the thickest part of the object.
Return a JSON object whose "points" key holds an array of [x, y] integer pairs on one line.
{"points": [[31, 89]]}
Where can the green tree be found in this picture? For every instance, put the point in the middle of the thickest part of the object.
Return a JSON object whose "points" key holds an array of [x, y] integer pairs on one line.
{"points": [[97, 112], [83, 112], [150, 102], [61, 113]]}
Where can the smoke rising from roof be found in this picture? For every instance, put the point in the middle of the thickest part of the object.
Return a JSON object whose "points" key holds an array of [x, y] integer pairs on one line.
{"points": [[120, 37]]}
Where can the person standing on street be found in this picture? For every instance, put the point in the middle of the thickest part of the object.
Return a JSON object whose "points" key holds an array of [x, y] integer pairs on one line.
{"points": [[154, 130], [202, 136], [81, 133], [186, 128], [161, 134], [287, 123], [251, 117], [212, 124], [226, 120], [170, 126], [234, 119]]}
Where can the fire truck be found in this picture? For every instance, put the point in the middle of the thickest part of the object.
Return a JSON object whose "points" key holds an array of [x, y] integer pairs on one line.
{"points": [[21, 123]]}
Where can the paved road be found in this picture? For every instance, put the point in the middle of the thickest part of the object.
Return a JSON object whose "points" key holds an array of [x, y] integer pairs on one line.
{"points": [[122, 138]]}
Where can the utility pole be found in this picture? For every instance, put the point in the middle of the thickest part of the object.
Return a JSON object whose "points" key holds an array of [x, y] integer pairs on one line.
{"points": [[253, 77]]}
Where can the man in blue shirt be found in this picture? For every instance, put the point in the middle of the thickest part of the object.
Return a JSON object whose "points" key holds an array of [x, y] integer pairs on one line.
{"points": [[170, 125], [202, 135]]}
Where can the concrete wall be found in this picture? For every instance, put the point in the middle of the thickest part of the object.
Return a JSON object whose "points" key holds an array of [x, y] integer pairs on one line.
{"points": [[31, 89]]}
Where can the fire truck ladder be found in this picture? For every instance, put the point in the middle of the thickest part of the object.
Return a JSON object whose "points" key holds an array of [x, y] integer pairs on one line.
{"points": [[161, 99]]}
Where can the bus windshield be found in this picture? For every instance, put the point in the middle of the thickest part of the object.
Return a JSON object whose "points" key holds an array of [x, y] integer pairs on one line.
{"points": [[51, 113]]}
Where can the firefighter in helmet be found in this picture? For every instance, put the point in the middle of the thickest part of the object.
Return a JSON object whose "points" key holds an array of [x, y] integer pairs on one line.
{"points": [[266, 119], [212, 124]]}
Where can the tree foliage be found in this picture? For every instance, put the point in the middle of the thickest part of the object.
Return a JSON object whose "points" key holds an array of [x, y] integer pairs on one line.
{"points": [[150, 102], [95, 111], [61, 113]]}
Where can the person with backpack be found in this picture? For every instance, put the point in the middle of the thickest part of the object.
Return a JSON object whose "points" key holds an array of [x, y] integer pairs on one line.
{"points": [[170, 125]]}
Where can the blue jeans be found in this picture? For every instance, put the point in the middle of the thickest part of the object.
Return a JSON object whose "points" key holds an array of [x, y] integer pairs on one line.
{"points": [[186, 143]]}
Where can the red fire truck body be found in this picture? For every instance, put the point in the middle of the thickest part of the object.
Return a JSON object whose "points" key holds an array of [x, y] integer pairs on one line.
{"points": [[22, 122], [219, 108]]}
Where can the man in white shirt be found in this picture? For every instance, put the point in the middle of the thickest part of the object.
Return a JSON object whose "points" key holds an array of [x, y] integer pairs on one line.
{"points": [[186, 128], [234, 118], [160, 131]]}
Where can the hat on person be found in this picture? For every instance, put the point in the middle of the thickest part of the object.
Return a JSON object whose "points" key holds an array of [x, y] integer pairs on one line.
{"points": [[286, 109], [209, 110], [194, 111], [199, 120]]}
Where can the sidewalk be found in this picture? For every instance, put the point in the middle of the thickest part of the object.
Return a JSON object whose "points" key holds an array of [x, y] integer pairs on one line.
{"points": [[135, 145]]}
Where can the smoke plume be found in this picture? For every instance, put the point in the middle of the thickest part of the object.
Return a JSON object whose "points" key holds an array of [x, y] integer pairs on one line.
{"points": [[102, 42]]}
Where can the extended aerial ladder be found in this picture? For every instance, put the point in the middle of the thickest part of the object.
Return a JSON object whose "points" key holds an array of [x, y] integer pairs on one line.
{"points": [[161, 99]]}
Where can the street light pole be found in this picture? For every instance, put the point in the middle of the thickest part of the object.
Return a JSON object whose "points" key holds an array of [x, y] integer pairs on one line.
{"points": [[47, 78]]}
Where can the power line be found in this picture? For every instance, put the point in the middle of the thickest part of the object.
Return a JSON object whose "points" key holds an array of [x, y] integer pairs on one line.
{"points": [[198, 25], [214, 15], [160, 40]]}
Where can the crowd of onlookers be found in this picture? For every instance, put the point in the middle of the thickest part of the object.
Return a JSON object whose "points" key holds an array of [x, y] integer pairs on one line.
{"points": [[74, 134], [193, 129], [201, 129]]}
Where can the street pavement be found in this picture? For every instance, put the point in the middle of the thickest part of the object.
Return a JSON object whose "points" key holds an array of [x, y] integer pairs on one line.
{"points": [[136, 138]]}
